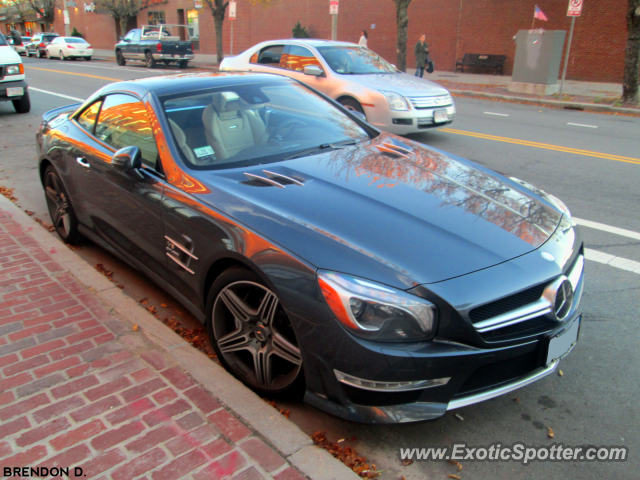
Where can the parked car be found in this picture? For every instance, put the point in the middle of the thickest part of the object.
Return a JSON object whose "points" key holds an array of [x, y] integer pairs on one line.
{"points": [[70, 48], [13, 86], [39, 44], [357, 78], [156, 43], [388, 280], [19, 49]]}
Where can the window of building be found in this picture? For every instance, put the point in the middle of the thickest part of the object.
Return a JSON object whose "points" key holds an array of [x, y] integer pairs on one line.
{"points": [[194, 27], [156, 17]]}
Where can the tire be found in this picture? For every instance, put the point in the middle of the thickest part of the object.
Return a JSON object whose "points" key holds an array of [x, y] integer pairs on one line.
{"points": [[149, 60], [120, 60], [40, 54], [252, 335], [61, 212], [23, 105], [351, 104], [88, 59], [183, 64], [62, 57]]}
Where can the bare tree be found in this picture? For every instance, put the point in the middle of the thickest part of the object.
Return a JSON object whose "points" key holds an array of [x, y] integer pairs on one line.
{"points": [[46, 9], [402, 21], [218, 9], [630, 92], [20, 9], [122, 11]]}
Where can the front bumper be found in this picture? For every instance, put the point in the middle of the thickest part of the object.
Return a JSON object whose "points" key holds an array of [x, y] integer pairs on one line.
{"points": [[5, 85], [168, 56], [408, 121]]}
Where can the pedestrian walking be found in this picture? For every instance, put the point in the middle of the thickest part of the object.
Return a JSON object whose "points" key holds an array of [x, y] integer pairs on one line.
{"points": [[363, 39], [422, 55]]}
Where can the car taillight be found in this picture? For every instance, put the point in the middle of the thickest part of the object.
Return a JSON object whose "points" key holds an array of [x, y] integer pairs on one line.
{"points": [[71, 46], [88, 46], [192, 47], [41, 45], [159, 47]]}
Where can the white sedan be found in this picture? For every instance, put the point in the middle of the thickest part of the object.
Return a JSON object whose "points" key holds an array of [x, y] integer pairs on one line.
{"points": [[69, 47]]}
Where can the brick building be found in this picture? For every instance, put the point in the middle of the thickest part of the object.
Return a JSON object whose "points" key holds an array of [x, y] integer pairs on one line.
{"points": [[452, 27]]}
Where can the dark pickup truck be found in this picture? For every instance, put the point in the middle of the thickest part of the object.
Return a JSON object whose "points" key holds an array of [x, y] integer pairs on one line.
{"points": [[156, 43]]}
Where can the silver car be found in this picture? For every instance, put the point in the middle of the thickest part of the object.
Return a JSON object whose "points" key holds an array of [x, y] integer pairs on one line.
{"points": [[357, 78]]}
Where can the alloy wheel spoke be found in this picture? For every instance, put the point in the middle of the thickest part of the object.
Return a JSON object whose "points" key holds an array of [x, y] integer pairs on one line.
{"points": [[236, 341], [283, 348], [238, 308], [262, 365], [59, 216], [52, 195], [268, 307]]}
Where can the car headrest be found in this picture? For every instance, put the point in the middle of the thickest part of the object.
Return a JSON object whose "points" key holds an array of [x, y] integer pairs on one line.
{"points": [[230, 102]]}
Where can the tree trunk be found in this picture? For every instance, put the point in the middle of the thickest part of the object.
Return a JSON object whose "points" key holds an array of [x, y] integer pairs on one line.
{"points": [[402, 20], [218, 20], [630, 93], [122, 21]]}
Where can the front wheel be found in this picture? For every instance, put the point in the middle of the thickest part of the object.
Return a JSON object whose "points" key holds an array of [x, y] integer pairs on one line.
{"points": [[120, 59], [62, 57], [252, 335], [149, 60], [60, 210], [23, 105], [351, 104]]}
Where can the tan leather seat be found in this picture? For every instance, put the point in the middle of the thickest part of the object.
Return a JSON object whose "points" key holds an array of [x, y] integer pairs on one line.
{"points": [[181, 139], [231, 125]]}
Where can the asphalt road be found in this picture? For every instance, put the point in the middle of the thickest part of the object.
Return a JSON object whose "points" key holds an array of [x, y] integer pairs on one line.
{"points": [[591, 161]]}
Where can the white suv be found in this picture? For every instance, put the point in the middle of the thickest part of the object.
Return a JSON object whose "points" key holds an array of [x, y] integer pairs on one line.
{"points": [[12, 80]]}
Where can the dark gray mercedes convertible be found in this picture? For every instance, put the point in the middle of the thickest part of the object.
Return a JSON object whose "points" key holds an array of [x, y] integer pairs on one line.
{"points": [[386, 280]]}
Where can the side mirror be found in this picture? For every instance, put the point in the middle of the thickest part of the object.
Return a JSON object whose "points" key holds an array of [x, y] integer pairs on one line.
{"points": [[127, 158], [313, 70], [360, 115]]}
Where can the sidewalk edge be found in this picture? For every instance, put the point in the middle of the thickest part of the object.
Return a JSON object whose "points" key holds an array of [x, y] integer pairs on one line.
{"points": [[281, 433]]}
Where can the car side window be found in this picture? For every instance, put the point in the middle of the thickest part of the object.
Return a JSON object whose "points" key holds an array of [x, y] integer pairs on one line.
{"points": [[299, 57], [136, 36], [129, 36], [87, 118], [271, 56], [124, 122]]}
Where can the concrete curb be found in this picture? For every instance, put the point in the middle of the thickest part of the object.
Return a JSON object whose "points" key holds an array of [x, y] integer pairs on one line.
{"points": [[589, 107], [282, 434]]}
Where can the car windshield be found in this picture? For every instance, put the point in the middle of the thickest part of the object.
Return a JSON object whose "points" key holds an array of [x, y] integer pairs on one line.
{"points": [[75, 40], [256, 123], [355, 61]]}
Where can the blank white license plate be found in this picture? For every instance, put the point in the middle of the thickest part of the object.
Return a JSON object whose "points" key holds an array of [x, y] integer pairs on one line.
{"points": [[440, 116], [563, 343], [81, 51], [15, 91]]}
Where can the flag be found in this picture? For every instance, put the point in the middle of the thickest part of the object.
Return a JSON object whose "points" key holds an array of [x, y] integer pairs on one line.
{"points": [[539, 14]]}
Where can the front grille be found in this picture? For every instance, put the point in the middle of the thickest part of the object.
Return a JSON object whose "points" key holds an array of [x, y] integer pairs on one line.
{"points": [[535, 326], [506, 304], [380, 399], [500, 372], [420, 103]]}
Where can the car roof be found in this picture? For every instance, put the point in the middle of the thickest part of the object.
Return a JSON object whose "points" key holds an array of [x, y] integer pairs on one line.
{"points": [[170, 84], [314, 42]]}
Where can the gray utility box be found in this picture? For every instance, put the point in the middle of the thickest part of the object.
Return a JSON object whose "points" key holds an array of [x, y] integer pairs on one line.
{"points": [[537, 64]]}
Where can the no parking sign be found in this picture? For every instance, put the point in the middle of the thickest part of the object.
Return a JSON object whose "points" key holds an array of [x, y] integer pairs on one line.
{"points": [[575, 8]]}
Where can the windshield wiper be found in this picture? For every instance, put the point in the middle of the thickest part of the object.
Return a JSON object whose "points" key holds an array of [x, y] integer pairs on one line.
{"points": [[320, 148]]}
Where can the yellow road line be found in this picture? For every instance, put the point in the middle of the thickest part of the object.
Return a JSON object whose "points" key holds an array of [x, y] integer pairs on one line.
{"points": [[79, 74], [577, 151]]}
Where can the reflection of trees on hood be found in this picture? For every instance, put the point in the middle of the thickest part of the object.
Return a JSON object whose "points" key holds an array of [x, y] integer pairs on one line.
{"points": [[456, 184]]}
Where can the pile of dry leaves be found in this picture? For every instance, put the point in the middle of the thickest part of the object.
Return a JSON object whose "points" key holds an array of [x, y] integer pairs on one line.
{"points": [[347, 455]]}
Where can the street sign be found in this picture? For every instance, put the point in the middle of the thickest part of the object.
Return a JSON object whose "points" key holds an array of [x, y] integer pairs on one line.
{"points": [[232, 10], [575, 8], [333, 7], [65, 16]]}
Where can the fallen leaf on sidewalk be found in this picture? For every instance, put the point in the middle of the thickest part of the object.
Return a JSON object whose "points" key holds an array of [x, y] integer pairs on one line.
{"points": [[347, 455], [144, 301], [516, 400], [30, 213], [164, 305], [406, 462], [121, 287], [560, 373], [551, 434], [136, 327], [451, 475], [457, 464]]}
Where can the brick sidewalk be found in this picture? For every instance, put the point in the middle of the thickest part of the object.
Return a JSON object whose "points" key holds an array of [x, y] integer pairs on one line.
{"points": [[79, 388]]}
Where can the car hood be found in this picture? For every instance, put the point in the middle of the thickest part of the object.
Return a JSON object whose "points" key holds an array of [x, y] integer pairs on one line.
{"points": [[390, 210], [401, 83]]}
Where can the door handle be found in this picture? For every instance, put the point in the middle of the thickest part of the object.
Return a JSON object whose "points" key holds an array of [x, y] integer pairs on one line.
{"points": [[83, 163]]}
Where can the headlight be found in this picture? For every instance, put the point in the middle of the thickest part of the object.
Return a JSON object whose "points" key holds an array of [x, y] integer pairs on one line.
{"points": [[396, 102], [377, 312], [15, 69], [552, 198]]}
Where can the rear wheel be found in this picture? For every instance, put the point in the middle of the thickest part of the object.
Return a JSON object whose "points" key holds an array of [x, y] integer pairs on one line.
{"points": [[40, 54], [60, 210], [149, 60], [23, 105], [183, 63], [252, 335], [120, 59]]}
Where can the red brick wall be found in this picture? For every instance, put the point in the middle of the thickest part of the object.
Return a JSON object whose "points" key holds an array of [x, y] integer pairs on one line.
{"points": [[452, 27]]}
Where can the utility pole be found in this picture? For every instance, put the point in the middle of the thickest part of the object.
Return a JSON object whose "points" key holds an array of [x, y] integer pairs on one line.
{"points": [[574, 10]]}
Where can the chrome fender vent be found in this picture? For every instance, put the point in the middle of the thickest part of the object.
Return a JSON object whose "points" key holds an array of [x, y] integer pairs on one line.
{"points": [[271, 179], [394, 151]]}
